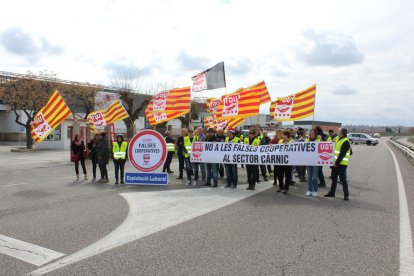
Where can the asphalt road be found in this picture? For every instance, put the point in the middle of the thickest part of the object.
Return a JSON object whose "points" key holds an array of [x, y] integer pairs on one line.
{"points": [[180, 230]]}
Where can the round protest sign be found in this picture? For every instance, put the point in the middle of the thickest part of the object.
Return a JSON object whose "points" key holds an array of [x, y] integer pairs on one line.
{"points": [[147, 150]]}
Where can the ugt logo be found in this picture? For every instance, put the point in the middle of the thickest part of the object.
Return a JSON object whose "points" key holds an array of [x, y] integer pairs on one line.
{"points": [[284, 107], [231, 105], [325, 152], [200, 82], [197, 150], [98, 119], [160, 101], [214, 104], [147, 158]]}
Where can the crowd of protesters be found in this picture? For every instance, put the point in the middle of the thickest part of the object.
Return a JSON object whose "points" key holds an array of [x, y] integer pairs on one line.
{"points": [[99, 150]]}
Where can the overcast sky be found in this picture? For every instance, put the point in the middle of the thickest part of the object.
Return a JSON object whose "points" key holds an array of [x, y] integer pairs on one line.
{"points": [[359, 53]]}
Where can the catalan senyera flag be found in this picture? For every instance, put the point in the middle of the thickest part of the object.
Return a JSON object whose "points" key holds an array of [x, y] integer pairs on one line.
{"points": [[210, 122], [171, 101], [261, 89], [114, 113], [240, 104], [212, 105], [49, 117], [294, 107], [161, 117]]}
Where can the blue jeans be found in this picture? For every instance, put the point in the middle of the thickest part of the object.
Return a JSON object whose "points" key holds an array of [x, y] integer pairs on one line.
{"points": [[212, 173], [231, 172], [312, 178]]}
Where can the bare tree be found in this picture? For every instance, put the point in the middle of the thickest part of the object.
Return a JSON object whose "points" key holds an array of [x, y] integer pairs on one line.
{"points": [[135, 94]]}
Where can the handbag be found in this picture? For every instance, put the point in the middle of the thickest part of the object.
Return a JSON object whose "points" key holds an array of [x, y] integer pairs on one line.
{"points": [[74, 157]]}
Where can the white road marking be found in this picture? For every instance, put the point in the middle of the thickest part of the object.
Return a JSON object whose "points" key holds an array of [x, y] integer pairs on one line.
{"points": [[27, 252], [406, 243], [12, 185], [151, 212]]}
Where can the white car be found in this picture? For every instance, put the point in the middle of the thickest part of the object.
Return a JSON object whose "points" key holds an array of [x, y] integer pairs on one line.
{"points": [[362, 138], [377, 135]]}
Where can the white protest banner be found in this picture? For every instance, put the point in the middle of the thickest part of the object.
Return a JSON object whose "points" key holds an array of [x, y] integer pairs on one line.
{"points": [[292, 154]]}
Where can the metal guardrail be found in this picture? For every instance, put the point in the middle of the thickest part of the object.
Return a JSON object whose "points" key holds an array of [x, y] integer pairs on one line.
{"points": [[408, 150]]}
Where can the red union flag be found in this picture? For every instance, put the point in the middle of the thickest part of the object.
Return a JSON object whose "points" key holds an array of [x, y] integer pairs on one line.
{"points": [[200, 82], [294, 107], [212, 78], [212, 105], [171, 101], [325, 150], [161, 117]]}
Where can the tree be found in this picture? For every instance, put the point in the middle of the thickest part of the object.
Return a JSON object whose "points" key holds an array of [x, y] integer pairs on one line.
{"points": [[28, 95], [135, 95], [80, 97]]}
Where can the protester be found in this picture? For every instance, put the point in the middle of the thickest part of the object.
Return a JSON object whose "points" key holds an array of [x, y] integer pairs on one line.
{"points": [[312, 170], [342, 155], [119, 155], [220, 138], [252, 170], [301, 169], [211, 167], [201, 166], [77, 148], [231, 169], [332, 136], [179, 145], [171, 150], [322, 137], [276, 168], [102, 153], [265, 141], [190, 168], [92, 154], [285, 172]]}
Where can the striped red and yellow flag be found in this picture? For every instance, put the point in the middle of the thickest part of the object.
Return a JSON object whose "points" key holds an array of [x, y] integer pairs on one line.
{"points": [[171, 101], [161, 117], [294, 107], [210, 122], [235, 122], [261, 89], [240, 104], [114, 113], [49, 117], [212, 105]]}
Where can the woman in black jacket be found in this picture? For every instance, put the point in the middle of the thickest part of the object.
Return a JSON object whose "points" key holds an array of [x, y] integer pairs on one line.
{"points": [[77, 148], [92, 154]]}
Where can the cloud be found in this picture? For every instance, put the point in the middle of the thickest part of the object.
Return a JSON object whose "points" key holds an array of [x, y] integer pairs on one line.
{"points": [[121, 66], [189, 63], [239, 66], [329, 48], [344, 90], [21, 43]]}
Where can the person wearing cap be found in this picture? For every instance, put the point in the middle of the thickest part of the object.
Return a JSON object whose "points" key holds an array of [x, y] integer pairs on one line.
{"points": [[231, 169], [189, 167], [252, 170], [170, 149], [211, 167], [119, 155]]}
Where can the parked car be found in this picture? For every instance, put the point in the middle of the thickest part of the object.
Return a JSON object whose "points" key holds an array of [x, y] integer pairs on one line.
{"points": [[362, 138], [377, 135]]}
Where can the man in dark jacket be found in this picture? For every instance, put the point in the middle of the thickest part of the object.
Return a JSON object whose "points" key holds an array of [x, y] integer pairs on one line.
{"points": [[211, 167], [102, 153], [179, 145], [265, 141], [171, 150], [342, 155]]}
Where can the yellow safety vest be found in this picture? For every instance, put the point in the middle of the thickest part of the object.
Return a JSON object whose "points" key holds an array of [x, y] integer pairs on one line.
{"points": [[290, 141], [188, 144], [234, 140], [170, 146], [338, 145], [119, 153], [317, 140], [334, 139]]}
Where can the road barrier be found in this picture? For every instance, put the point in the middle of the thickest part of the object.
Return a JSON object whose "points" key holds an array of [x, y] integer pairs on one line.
{"points": [[407, 150]]}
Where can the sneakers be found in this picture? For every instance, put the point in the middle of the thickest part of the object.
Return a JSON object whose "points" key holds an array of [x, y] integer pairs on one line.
{"points": [[194, 183], [188, 182], [346, 197], [308, 193], [314, 193], [105, 180]]}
